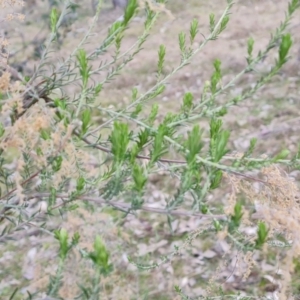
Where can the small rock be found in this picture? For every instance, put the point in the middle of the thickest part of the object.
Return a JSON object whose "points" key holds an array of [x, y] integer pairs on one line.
{"points": [[209, 254]]}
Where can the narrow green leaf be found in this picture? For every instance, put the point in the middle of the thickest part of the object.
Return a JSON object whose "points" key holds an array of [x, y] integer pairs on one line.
{"points": [[53, 19], [194, 30], [161, 58]]}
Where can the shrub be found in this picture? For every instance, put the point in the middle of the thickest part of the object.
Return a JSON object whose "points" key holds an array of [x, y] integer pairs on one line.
{"points": [[63, 148]]}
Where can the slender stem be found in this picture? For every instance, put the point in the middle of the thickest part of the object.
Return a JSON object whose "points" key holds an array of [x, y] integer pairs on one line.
{"points": [[167, 77], [174, 161], [126, 206]]}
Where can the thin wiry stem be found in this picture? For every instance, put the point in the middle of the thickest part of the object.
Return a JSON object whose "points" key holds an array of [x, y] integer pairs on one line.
{"points": [[22, 183], [183, 63], [49, 42], [126, 206], [174, 161]]}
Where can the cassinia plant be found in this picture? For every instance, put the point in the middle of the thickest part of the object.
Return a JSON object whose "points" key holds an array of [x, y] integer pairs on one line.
{"points": [[53, 149]]}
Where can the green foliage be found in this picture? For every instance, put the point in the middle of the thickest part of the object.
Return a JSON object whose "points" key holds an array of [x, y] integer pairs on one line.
{"points": [[194, 30], [100, 256], [86, 120], [250, 50], [54, 19], [130, 10], [84, 69], [262, 234], [120, 140], [161, 59], [218, 140], [64, 247], [194, 145], [2, 130], [236, 218], [56, 163]]}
